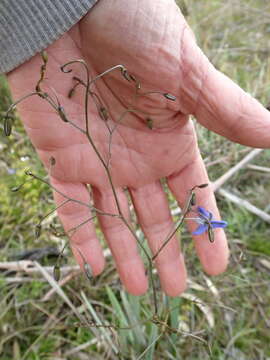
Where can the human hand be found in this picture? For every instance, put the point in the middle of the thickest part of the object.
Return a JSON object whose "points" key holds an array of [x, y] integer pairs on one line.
{"points": [[153, 41]]}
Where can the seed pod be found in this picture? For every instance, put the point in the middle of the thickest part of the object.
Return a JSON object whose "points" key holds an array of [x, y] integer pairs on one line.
{"points": [[38, 231], [71, 92], [103, 113], [169, 96], [62, 114], [202, 186], [41, 94], [88, 271], [146, 272], [193, 199], [149, 123], [53, 230], [52, 161], [56, 272], [210, 234], [16, 188], [126, 75], [132, 77], [29, 173], [7, 126], [138, 85]]}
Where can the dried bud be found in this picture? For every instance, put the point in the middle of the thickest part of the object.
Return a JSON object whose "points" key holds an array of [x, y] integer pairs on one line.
{"points": [[56, 272], [169, 96], [7, 126]]}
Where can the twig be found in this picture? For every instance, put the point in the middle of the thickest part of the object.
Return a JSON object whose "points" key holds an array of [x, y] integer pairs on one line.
{"points": [[28, 266], [245, 204], [259, 168], [21, 280], [62, 282], [225, 177]]}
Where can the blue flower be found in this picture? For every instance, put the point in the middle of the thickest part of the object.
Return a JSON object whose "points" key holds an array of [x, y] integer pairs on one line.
{"points": [[206, 224]]}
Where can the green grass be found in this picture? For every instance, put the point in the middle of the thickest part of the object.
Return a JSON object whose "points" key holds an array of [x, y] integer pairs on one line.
{"points": [[235, 36]]}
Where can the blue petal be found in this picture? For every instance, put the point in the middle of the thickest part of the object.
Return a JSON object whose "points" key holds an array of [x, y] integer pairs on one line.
{"points": [[219, 224], [206, 214], [200, 229]]}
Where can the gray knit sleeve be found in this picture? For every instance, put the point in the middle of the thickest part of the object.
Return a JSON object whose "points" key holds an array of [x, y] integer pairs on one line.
{"points": [[29, 26]]}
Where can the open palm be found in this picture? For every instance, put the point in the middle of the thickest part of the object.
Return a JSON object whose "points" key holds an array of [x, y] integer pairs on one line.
{"points": [[152, 40]]}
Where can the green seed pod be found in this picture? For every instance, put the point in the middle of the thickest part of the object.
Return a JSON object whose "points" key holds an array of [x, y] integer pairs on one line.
{"points": [[88, 271], [169, 96], [29, 173], [38, 231], [56, 272], [210, 234], [16, 188], [7, 126], [193, 199]]}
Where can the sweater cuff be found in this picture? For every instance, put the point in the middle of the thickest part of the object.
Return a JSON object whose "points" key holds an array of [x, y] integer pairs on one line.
{"points": [[29, 26]]}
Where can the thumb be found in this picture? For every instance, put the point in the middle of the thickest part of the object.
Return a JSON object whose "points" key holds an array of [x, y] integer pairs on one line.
{"points": [[217, 102]]}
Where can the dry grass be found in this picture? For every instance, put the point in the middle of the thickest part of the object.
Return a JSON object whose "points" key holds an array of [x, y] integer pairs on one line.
{"points": [[230, 312]]}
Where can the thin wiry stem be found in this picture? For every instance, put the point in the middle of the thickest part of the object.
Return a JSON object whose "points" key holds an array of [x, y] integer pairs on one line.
{"points": [[187, 208], [107, 170], [55, 209], [103, 112], [69, 198]]}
